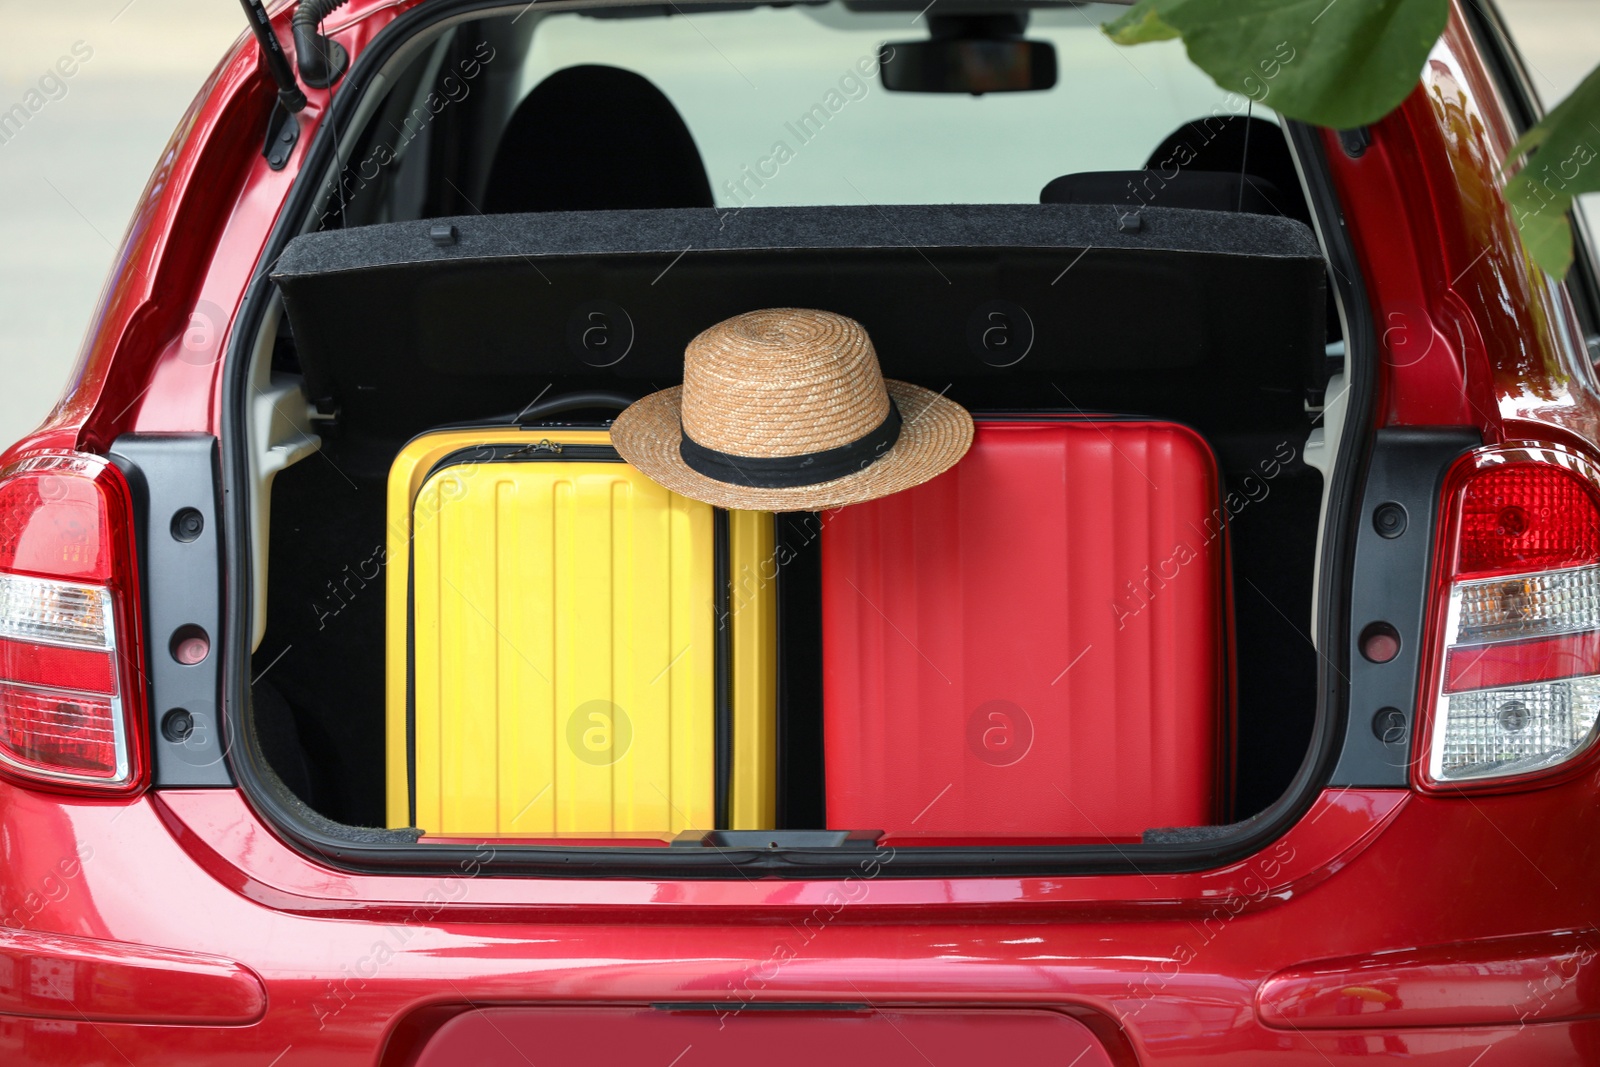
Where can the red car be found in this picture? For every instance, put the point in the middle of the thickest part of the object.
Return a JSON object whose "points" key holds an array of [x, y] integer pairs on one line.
{"points": [[202, 859]]}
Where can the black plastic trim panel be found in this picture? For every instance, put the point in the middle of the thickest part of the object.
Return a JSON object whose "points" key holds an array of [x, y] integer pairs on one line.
{"points": [[1394, 550], [180, 585]]}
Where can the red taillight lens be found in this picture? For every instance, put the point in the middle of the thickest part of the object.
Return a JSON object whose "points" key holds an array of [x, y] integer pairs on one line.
{"points": [[1544, 659], [54, 519], [71, 683], [53, 732], [1527, 517], [1516, 678]]}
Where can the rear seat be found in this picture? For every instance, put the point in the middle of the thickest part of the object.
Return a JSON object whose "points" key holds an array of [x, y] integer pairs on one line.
{"points": [[1202, 189]]}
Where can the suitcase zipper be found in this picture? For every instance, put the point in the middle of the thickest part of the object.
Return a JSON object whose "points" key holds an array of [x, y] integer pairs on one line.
{"points": [[536, 451]]}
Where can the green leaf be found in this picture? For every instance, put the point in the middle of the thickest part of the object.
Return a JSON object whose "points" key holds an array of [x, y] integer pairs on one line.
{"points": [[1566, 164], [1535, 137], [1337, 63], [1141, 24]]}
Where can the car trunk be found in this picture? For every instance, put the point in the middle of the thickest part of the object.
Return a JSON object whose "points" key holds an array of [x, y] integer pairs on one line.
{"points": [[1210, 326]]}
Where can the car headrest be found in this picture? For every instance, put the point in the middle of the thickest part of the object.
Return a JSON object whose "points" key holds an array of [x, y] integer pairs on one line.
{"points": [[1132, 189], [591, 138], [1198, 165], [1230, 143]]}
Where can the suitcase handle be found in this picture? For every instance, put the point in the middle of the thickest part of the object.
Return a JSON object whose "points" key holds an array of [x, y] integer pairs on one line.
{"points": [[556, 405]]}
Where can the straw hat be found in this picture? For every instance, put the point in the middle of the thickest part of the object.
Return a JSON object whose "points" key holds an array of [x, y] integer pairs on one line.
{"points": [[786, 410]]}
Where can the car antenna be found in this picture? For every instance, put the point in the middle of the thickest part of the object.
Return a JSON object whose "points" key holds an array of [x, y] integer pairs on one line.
{"points": [[1244, 156], [282, 129]]}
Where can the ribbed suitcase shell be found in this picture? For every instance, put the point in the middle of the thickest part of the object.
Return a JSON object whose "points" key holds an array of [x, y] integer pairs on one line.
{"points": [[997, 659], [529, 598]]}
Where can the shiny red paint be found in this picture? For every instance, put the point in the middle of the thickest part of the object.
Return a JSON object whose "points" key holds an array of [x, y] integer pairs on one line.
{"points": [[78, 978], [494, 1037], [1507, 980], [220, 835], [1304, 953], [352, 960], [1471, 332], [152, 356]]}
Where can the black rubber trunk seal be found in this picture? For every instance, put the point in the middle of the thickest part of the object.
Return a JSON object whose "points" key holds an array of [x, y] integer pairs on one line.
{"points": [[353, 852]]}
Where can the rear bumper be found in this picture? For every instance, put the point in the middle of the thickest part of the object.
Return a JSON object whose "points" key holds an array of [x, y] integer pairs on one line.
{"points": [[1505, 981], [27, 1043], [1269, 964]]}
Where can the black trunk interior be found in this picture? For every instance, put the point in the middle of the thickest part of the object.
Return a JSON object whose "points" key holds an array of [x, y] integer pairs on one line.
{"points": [[1204, 318]]}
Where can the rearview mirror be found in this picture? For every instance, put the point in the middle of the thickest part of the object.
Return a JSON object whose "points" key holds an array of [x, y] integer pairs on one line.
{"points": [[974, 65]]}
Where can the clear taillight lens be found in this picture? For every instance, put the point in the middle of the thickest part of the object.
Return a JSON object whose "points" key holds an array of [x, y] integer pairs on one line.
{"points": [[70, 669], [36, 609], [1517, 687]]}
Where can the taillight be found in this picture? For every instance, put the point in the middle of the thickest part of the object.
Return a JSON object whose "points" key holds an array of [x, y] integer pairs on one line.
{"points": [[1516, 670], [71, 681]]}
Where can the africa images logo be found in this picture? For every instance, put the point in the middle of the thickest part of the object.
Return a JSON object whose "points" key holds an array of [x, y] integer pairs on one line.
{"points": [[51, 86]]}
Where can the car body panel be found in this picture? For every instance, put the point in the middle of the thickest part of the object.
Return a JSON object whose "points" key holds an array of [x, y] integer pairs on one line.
{"points": [[491, 1037], [1472, 334], [346, 956], [1510, 980], [82, 979], [1227, 966]]}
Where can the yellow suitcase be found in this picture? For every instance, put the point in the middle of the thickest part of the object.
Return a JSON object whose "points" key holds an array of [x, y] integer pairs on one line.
{"points": [[571, 648]]}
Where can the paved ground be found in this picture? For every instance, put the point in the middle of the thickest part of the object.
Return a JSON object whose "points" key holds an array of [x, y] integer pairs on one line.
{"points": [[69, 178]]}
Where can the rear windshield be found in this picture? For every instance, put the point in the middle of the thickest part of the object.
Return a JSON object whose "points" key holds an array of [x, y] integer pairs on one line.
{"points": [[787, 108], [784, 106]]}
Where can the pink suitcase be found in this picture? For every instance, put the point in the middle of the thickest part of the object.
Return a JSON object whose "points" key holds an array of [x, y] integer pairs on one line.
{"points": [[1035, 643]]}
